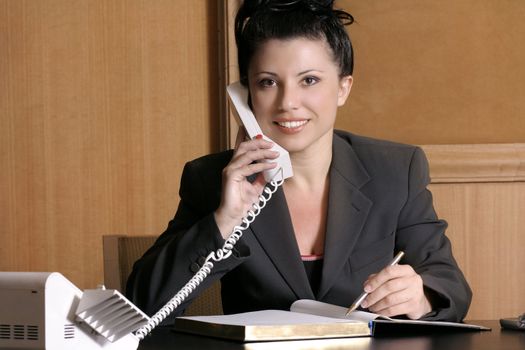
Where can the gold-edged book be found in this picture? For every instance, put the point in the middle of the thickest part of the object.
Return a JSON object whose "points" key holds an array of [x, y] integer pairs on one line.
{"points": [[309, 319], [266, 325]]}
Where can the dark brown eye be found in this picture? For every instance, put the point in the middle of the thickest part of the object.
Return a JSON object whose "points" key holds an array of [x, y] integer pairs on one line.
{"points": [[266, 82], [311, 80]]}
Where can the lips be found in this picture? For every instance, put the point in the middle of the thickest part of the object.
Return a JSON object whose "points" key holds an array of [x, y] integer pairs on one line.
{"points": [[292, 124], [291, 127]]}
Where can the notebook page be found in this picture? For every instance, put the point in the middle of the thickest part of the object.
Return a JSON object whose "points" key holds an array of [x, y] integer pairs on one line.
{"points": [[267, 317], [315, 307]]}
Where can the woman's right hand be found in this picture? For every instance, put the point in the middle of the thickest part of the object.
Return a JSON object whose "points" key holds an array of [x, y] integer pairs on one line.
{"points": [[238, 194]]}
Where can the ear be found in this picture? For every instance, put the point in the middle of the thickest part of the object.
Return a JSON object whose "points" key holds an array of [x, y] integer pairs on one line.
{"points": [[345, 85]]}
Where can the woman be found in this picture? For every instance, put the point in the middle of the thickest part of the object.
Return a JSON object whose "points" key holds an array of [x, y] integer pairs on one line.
{"points": [[331, 229]]}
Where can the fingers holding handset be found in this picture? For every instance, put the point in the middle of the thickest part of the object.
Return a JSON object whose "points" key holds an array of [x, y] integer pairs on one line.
{"points": [[251, 156], [238, 194]]}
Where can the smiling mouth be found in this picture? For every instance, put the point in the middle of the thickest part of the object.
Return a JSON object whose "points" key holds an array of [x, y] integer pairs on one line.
{"points": [[292, 124]]}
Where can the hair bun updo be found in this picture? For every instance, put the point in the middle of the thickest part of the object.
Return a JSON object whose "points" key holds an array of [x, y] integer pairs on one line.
{"points": [[260, 20], [319, 7]]}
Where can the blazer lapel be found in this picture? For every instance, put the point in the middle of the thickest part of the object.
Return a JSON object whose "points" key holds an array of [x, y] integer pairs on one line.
{"points": [[348, 209], [274, 231]]}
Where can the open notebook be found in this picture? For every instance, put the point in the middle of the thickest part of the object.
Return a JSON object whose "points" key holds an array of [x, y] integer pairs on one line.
{"points": [[308, 319]]}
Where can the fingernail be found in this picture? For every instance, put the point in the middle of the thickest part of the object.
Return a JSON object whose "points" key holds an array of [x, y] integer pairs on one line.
{"points": [[259, 136], [364, 304], [368, 289]]}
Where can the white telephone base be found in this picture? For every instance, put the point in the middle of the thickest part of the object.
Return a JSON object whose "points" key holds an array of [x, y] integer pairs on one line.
{"points": [[38, 312]]}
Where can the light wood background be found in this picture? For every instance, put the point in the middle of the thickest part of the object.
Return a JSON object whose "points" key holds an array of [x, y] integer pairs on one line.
{"points": [[102, 102], [480, 191], [438, 72]]}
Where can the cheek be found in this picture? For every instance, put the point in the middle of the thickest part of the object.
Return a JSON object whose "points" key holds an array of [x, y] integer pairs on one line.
{"points": [[260, 105], [324, 104]]}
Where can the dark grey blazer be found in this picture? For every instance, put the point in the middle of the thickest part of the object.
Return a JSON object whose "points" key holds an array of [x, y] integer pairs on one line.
{"points": [[378, 205]]}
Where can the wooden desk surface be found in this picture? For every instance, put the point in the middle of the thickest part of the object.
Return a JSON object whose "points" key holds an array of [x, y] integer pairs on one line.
{"points": [[163, 338]]}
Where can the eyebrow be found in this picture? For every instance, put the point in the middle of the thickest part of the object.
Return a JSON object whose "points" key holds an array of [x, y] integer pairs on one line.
{"points": [[309, 71], [298, 74]]}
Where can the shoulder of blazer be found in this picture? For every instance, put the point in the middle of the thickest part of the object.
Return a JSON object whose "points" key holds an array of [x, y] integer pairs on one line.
{"points": [[364, 146], [376, 155], [360, 142], [202, 177], [211, 162]]}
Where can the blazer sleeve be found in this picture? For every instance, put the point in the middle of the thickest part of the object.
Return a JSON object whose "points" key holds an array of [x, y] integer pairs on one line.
{"points": [[181, 250], [422, 236]]}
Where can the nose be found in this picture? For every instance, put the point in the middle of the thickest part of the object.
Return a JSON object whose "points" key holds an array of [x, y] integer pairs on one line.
{"points": [[289, 97]]}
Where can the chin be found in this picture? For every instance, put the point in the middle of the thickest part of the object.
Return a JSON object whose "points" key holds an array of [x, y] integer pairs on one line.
{"points": [[294, 147]]}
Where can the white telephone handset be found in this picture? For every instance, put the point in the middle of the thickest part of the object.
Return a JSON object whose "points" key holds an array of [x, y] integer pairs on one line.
{"points": [[239, 98]]}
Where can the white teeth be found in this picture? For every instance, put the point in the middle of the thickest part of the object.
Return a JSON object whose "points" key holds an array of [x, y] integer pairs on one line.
{"points": [[292, 124]]}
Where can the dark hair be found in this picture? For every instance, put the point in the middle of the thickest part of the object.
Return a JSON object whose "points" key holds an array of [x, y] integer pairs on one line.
{"points": [[260, 20]]}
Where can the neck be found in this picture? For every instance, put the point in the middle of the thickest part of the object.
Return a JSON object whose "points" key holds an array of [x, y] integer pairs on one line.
{"points": [[311, 166]]}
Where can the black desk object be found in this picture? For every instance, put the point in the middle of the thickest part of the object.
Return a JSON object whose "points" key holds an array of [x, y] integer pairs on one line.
{"points": [[164, 338]]}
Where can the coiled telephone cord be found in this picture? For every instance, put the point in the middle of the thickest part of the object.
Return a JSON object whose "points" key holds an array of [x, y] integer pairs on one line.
{"points": [[218, 255]]}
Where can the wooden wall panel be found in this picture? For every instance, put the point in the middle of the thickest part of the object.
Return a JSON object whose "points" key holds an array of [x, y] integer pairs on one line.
{"points": [[102, 102], [486, 229], [480, 191], [437, 72]]}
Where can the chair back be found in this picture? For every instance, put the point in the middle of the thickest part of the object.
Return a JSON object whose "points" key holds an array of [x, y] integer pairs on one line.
{"points": [[120, 253]]}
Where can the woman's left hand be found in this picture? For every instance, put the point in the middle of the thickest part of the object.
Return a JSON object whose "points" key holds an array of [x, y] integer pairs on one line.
{"points": [[396, 290]]}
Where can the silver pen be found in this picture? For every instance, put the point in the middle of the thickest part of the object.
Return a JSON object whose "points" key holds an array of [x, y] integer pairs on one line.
{"points": [[362, 297]]}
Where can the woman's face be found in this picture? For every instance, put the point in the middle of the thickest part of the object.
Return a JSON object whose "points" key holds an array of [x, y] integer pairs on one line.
{"points": [[295, 91]]}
